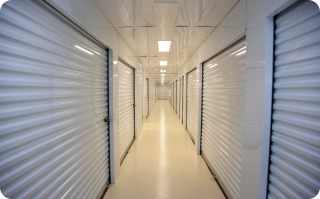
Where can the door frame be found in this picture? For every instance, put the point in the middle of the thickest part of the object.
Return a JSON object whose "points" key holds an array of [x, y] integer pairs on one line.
{"points": [[135, 130]]}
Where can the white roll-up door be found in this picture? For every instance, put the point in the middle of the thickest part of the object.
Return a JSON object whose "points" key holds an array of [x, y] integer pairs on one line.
{"points": [[182, 97], [179, 97], [176, 96], [126, 108], [148, 97], [171, 99], [172, 94], [169, 94], [191, 104], [54, 142], [295, 135], [223, 97]]}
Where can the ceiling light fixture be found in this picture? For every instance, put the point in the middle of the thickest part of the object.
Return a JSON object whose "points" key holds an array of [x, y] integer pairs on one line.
{"points": [[163, 75], [163, 71], [163, 63], [84, 50], [164, 46]]}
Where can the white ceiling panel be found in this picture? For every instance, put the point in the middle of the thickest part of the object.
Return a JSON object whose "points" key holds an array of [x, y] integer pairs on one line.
{"points": [[166, 1], [215, 11], [140, 12], [164, 33], [132, 38], [154, 62], [187, 39], [165, 14], [203, 12], [116, 12], [190, 12], [186, 23]]}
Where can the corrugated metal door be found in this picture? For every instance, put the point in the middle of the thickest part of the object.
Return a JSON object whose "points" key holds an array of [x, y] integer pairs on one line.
{"points": [[295, 137], [170, 91], [54, 98], [182, 95], [126, 108], [148, 98], [223, 97], [179, 97], [176, 96], [191, 104]]}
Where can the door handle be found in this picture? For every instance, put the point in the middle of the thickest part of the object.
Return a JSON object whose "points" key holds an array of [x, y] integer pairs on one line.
{"points": [[106, 119]]}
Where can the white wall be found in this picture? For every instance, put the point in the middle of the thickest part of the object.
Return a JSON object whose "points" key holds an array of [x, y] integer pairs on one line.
{"points": [[162, 92], [87, 15], [248, 18]]}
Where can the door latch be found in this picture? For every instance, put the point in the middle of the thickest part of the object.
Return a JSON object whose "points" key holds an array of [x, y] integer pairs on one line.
{"points": [[106, 119]]}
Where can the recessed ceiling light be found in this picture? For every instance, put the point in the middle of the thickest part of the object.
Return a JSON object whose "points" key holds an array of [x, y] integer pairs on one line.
{"points": [[164, 46], [163, 63], [163, 71], [163, 74]]}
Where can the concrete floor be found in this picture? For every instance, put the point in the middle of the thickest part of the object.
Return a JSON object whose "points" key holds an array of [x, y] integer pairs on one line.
{"points": [[163, 164]]}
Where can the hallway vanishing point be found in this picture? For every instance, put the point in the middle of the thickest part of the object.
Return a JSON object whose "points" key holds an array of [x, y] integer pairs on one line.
{"points": [[162, 163]]}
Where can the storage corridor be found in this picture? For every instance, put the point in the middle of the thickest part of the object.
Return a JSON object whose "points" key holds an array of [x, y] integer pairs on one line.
{"points": [[162, 163]]}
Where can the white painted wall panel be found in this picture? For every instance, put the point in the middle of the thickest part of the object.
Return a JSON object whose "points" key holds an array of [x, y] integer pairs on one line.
{"points": [[162, 92]]}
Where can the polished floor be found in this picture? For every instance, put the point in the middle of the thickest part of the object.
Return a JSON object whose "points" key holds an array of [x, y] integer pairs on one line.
{"points": [[162, 163]]}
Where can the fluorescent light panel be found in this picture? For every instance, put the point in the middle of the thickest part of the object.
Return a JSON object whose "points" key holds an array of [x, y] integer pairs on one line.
{"points": [[163, 75], [163, 63], [163, 71], [164, 46]]}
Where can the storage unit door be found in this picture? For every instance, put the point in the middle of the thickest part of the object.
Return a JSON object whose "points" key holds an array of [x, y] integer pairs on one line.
{"points": [[174, 99], [54, 142], [176, 96], [182, 95], [179, 98], [147, 89], [295, 135], [126, 108], [223, 115], [172, 94], [191, 104]]}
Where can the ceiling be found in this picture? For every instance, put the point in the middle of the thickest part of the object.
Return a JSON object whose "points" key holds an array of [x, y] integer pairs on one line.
{"points": [[186, 23]]}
